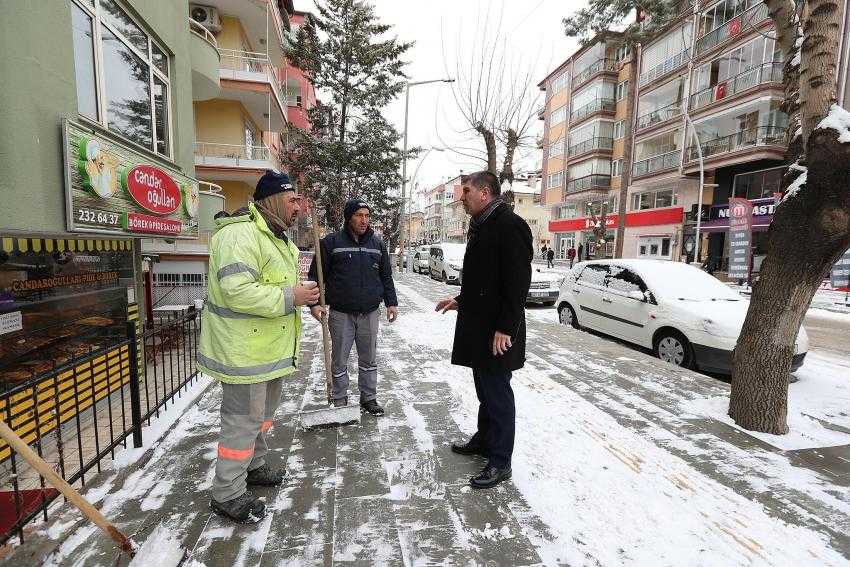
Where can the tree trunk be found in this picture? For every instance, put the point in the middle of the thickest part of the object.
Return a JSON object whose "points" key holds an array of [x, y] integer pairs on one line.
{"points": [[626, 169], [510, 149], [810, 231], [490, 144]]}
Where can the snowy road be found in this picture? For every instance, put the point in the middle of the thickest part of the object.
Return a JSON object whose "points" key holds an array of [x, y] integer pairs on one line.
{"points": [[616, 463]]}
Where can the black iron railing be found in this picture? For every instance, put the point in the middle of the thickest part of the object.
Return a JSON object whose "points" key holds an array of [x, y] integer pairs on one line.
{"points": [[598, 105], [660, 115], [597, 66], [591, 144], [671, 64], [660, 162], [763, 136], [588, 182], [81, 412], [760, 75], [732, 28]]}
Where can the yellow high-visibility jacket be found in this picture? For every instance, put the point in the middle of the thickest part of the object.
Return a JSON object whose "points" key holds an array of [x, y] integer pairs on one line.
{"points": [[250, 327]]}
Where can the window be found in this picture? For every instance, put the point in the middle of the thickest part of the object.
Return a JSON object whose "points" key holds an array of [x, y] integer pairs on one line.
{"points": [[662, 144], [558, 115], [555, 179], [622, 90], [122, 75], [622, 281], [619, 129], [556, 148], [669, 47], [621, 53], [653, 199], [567, 212], [736, 62], [560, 82], [594, 275], [758, 184], [616, 168], [654, 247], [722, 12]]}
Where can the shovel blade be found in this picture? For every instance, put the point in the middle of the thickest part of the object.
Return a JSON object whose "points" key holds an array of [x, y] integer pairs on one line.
{"points": [[330, 417]]}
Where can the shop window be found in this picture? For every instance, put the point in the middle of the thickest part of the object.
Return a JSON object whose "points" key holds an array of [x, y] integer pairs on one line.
{"points": [[758, 184], [658, 247], [112, 50], [653, 199]]}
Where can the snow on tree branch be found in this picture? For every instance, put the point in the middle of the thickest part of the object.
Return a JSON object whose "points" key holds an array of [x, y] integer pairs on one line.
{"points": [[838, 119]]}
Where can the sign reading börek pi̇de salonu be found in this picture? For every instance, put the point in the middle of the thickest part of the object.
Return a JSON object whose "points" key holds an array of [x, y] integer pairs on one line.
{"points": [[113, 188]]}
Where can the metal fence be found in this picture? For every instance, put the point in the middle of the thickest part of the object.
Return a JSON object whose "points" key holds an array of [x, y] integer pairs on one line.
{"points": [[82, 412]]}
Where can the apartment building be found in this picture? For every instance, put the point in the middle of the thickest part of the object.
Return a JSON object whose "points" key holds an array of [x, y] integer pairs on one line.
{"points": [[528, 204], [718, 69], [585, 121], [439, 213]]}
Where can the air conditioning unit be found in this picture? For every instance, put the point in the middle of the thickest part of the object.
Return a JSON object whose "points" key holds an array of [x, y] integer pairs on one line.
{"points": [[207, 16]]}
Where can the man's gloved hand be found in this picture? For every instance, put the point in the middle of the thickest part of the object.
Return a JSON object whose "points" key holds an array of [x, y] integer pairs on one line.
{"points": [[305, 294], [316, 312]]}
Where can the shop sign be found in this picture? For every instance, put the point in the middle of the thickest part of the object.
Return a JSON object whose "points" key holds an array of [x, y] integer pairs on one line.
{"points": [[112, 188], [11, 322], [740, 237], [760, 207], [840, 274], [152, 189], [672, 215]]}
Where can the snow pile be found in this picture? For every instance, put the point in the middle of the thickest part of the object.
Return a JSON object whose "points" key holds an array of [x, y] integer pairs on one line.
{"points": [[839, 120], [161, 549]]}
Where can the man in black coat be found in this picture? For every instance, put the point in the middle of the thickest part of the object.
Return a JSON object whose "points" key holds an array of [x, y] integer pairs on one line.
{"points": [[490, 329]]}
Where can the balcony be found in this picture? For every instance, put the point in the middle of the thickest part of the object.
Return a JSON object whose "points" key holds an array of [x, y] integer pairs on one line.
{"points": [[593, 181], [761, 75], [657, 163], [598, 66], [732, 28], [205, 60], [261, 21], [664, 114], [249, 77], [598, 105], [668, 66], [251, 158], [750, 138], [541, 113], [591, 145]]}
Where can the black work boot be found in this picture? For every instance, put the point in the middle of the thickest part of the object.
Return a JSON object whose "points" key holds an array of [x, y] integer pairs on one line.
{"points": [[341, 402], [490, 476], [244, 509], [265, 476], [469, 448], [372, 407]]}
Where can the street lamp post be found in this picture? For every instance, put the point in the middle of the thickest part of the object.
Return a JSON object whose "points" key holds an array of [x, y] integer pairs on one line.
{"points": [[404, 158]]}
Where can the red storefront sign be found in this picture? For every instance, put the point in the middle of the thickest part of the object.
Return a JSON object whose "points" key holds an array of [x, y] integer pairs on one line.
{"points": [[137, 222], [638, 218], [152, 189]]}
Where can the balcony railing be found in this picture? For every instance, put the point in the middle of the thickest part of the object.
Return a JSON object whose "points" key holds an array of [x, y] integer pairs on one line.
{"points": [[199, 30], [733, 27], [598, 105], [592, 181], [660, 162], [662, 69], [763, 74], [208, 153], [596, 67], [658, 116], [245, 61], [752, 137], [591, 144]]}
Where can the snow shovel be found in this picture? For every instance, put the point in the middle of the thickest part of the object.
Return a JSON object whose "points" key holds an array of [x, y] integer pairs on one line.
{"points": [[330, 416], [168, 553]]}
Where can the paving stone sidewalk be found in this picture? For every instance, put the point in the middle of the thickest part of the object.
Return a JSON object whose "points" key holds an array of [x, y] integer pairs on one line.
{"points": [[390, 492]]}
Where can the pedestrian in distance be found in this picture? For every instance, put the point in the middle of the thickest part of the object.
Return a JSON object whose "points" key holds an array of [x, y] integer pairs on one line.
{"points": [[490, 329], [358, 276], [571, 256], [580, 252], [250, 337], [550, 258]]}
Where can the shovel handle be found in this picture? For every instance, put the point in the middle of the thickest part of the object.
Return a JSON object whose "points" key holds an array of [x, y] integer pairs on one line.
{"points": [[326, 335], [66, 489]]}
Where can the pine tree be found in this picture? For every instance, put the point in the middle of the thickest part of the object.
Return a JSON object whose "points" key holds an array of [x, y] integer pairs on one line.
{"points": [[351, 150], [811, 228]]}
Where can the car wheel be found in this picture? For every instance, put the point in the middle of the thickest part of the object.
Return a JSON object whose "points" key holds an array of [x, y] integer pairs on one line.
{"points": [[671, 346], [567, 316]]}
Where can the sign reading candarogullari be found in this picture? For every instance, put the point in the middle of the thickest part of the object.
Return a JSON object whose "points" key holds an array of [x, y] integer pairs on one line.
{"points": [[112, 188]]}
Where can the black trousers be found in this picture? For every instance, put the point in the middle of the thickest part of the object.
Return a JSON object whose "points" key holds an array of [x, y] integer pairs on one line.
{"points": [[496, 415]]}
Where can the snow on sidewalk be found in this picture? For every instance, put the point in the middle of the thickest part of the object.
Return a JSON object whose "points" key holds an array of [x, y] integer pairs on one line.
{"points": [[611, 493]]}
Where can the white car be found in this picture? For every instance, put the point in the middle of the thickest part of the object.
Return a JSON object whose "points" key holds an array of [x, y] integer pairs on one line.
{"points": [[545, 287], [683, 314], [446, 261], [420, 260]]}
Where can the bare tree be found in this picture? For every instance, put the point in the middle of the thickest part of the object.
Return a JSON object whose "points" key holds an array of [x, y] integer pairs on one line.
{"points": [[495, 92]]}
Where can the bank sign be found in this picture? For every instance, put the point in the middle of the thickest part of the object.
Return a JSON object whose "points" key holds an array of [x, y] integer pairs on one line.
{"points": [[112, 188]]}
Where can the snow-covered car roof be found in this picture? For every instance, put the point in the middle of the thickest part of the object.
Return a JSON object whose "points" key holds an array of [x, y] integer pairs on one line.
{"points": [[674, 279], [543, 275]]}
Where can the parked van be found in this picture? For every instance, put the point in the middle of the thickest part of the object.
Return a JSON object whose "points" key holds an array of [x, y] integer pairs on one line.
{"points": [[446, 261]]}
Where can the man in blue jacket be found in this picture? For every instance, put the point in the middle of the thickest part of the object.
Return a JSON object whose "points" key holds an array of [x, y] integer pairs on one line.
{"points": [[358, 276]]}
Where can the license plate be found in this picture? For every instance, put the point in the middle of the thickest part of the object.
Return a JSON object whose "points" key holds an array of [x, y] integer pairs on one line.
{"points": [[539, 294]]}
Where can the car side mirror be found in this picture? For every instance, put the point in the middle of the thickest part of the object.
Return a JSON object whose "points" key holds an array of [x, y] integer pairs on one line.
{"points": [[637, 295]]}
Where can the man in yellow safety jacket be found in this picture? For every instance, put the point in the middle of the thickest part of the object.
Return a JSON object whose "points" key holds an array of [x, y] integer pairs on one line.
{"points": [[250, 337]]}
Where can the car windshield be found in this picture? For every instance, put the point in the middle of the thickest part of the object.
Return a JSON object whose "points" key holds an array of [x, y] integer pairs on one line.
{"points": [[454, 252], [674, 280]]}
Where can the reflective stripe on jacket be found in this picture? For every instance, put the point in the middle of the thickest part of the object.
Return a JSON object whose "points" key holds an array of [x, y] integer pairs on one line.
{"points": [[250, 327]]}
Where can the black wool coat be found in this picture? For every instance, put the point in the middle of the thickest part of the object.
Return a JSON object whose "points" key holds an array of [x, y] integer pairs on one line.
{"points": [[494, 288]]}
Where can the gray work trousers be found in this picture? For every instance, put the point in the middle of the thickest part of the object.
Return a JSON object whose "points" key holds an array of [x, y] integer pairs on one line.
{"points": [[246, 417], [362, 330]]}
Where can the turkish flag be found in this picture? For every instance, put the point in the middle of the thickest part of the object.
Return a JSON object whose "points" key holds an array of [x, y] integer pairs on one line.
{"points": [[720, 91], [735, 27]]}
